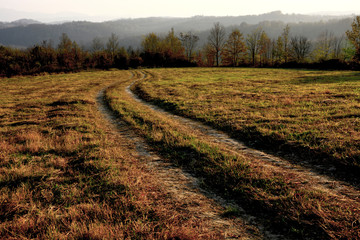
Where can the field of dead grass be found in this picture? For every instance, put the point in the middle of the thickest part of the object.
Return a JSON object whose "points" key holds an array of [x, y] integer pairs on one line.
{"points": [[65, 174], [313, 113], [245, 100]]}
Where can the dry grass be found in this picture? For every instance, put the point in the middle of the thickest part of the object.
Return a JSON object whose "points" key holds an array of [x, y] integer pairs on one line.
{"points": [[65, 174], [291, 203], [315, 113]]}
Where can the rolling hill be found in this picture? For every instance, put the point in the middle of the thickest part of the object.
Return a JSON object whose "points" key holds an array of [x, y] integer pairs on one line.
{"points": [[25, 33]]}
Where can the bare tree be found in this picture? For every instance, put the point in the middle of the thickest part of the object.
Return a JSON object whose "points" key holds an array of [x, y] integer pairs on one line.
{"points": [[252, 42], [97, 45], [338, 44], [113, 45], [301, 47], [328, 46], [216, 40], [286, 42], [189, 41]]}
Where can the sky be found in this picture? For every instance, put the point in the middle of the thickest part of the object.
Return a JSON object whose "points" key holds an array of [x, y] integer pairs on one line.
{"points": [[115, 9]]}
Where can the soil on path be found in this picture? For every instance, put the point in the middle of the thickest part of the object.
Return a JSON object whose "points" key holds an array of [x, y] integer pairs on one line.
{"points": [[183, 187], [304, 174], [207, 206]]}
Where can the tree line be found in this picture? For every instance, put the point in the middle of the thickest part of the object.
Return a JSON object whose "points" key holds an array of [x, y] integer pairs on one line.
{"points": [[287, 50], [221, 49]]}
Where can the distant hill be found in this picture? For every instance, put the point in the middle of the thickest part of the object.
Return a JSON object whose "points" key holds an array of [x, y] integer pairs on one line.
{"points": [[17, 23], [25, 32]]}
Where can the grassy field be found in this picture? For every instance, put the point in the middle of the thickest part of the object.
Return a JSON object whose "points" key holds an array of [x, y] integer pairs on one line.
{"points": [[312, 112], [232, 99], [64, 174]]}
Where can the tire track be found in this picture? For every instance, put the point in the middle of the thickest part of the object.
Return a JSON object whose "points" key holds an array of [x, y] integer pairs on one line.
{"points": [[183, 186], [304, 175]]}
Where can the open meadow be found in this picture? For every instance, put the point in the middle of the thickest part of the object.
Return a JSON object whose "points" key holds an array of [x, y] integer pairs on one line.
{"points": [[310, 114], [313, 113], [65, 173]]}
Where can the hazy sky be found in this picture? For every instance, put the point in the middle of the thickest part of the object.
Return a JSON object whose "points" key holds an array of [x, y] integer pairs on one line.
{"points": [[179, 8]]}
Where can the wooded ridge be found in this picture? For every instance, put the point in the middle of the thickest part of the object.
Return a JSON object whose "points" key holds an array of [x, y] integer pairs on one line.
{"points": [[25, 32]]}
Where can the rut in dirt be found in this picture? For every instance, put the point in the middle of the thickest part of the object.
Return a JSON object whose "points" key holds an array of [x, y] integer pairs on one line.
{"points": [[304, 174], [185, 187]]}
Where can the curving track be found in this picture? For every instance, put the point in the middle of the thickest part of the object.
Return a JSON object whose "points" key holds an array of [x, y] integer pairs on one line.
{"points": [[304, 174], [185, 186]]}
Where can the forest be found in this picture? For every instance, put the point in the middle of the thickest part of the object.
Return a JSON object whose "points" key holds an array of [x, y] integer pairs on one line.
{"points": [[221, 48]]}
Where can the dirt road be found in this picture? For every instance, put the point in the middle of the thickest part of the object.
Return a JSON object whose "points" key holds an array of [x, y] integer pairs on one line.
{"points": [[206, 205]]}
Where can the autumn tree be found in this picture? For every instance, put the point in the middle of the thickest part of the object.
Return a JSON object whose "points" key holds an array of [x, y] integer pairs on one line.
{"points": [[4, 63], [66, 58], [134, 57], [208, 55], [252, 42], [264, 48], [189, 41], [354, 37], [349, 51], [172, 46], [234, 48], [151, 43], [13, 62], [216, 41], [78, 56], [153, 50], [121, 58], [43, 57], [278, 50], [199, 58]]}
